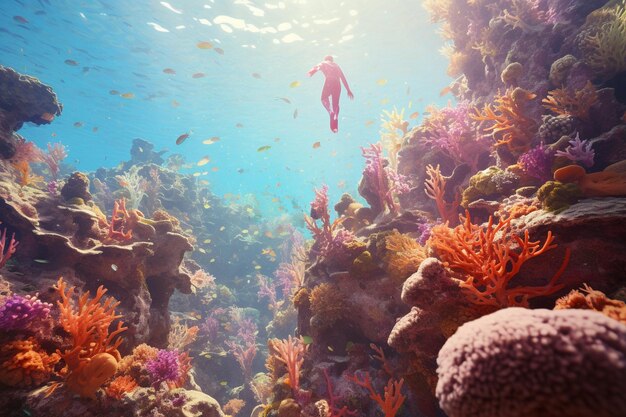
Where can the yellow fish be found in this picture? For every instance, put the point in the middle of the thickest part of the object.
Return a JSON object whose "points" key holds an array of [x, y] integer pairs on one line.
{"points": [[381, 82], [204, 161], [128, 95], [294, 84], [264, 148], [211, 141], [316, 145], [204, 45]]}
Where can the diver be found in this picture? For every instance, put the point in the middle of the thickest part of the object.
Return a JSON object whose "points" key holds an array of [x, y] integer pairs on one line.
{"points": [[332, 87]]}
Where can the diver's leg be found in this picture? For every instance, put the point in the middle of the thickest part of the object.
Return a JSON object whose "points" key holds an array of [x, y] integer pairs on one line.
{"points": [[326, 91], [335, 123]]}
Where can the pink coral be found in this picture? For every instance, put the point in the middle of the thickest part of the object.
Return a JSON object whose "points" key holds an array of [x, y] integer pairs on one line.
{"points": [[541, 363]]}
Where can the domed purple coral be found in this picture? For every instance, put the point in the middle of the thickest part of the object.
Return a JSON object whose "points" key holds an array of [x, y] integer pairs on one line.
{"points": [[542, 363], [23, 312]]}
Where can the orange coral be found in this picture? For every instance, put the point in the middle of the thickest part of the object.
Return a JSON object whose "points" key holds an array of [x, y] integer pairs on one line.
{"points": [[488, 264], [403, 256], [24, 363], [510, 126], [327, 304], [589, 299], [561, 101], [435, 187], [120, 386], [234, 406], [24, 176], [184, 365], [94, 353], [393, 398], [291, 353]]}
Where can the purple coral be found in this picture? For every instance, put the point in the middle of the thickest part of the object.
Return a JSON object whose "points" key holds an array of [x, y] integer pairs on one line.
{"points": [[579, 151], [23, 312], [164, 368], [518, 362], [537, 162], [382, 179]]}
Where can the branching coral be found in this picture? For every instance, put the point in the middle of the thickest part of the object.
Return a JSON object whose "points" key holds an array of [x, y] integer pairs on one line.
{"points": [[382, 180], [577, 104], [510, 125], [392, 400], [7, 251], [435, 187], [24, 363], [452, 130], [121, 385], [403, 255], [56, 153], [291, 353], [394, 127], [93, 357], [578, 151], [486, 256], [165, 367]]}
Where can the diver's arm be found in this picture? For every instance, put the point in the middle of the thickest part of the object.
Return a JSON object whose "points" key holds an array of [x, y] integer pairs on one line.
{"points": [[345, 84], [314, 70]]}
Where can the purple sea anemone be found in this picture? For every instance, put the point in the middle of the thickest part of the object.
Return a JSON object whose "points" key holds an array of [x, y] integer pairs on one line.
{"points": [[579, 151], [23, 312]]}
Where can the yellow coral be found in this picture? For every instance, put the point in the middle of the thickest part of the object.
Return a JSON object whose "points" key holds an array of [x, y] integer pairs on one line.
{"points": [[24, 363], [394, 127], [560, 101], [606, 48], [404, 255]]}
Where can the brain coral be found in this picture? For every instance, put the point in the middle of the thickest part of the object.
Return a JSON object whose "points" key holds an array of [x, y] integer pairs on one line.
{"points": [[540, 363]]}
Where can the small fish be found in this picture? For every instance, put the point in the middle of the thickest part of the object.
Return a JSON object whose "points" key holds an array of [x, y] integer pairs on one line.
{"points": [[414, 115], [169, 71], [204, 45], [276, 139], [175, 103], [307, 340], [215, 169], [219, 51], [369, 122], [198, 75], [114, 92], [128, 95], [256, 75], [222, 228], [182, 138], [20, 19], [207, 241], [41, 261], [71, 62], [285, 99], [94, 129], [295, 114], [239, 125], [381, 82], [204, 161], [264, 148], [294, 84], [316, 145], [78, 124], [114, 267], [445, 91], [211, 141], [201, 250], [257, 267]]}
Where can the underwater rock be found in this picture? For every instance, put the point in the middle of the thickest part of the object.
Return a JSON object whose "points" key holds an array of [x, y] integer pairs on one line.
{"points": [[76, 186], [72, 240], [542, 363], [595, 232], [22, 99], [142, 153]]}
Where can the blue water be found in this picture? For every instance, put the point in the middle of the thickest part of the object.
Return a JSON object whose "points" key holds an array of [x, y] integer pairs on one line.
{"points": [[387, 48]]}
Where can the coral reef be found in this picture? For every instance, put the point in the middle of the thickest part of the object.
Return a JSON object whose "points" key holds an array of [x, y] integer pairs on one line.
{"points": [[519, 362]]}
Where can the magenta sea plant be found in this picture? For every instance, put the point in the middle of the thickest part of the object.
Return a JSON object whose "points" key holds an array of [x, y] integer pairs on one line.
{"points": [[7, 251], [23, 312], [579, 151], [382, 179]]}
